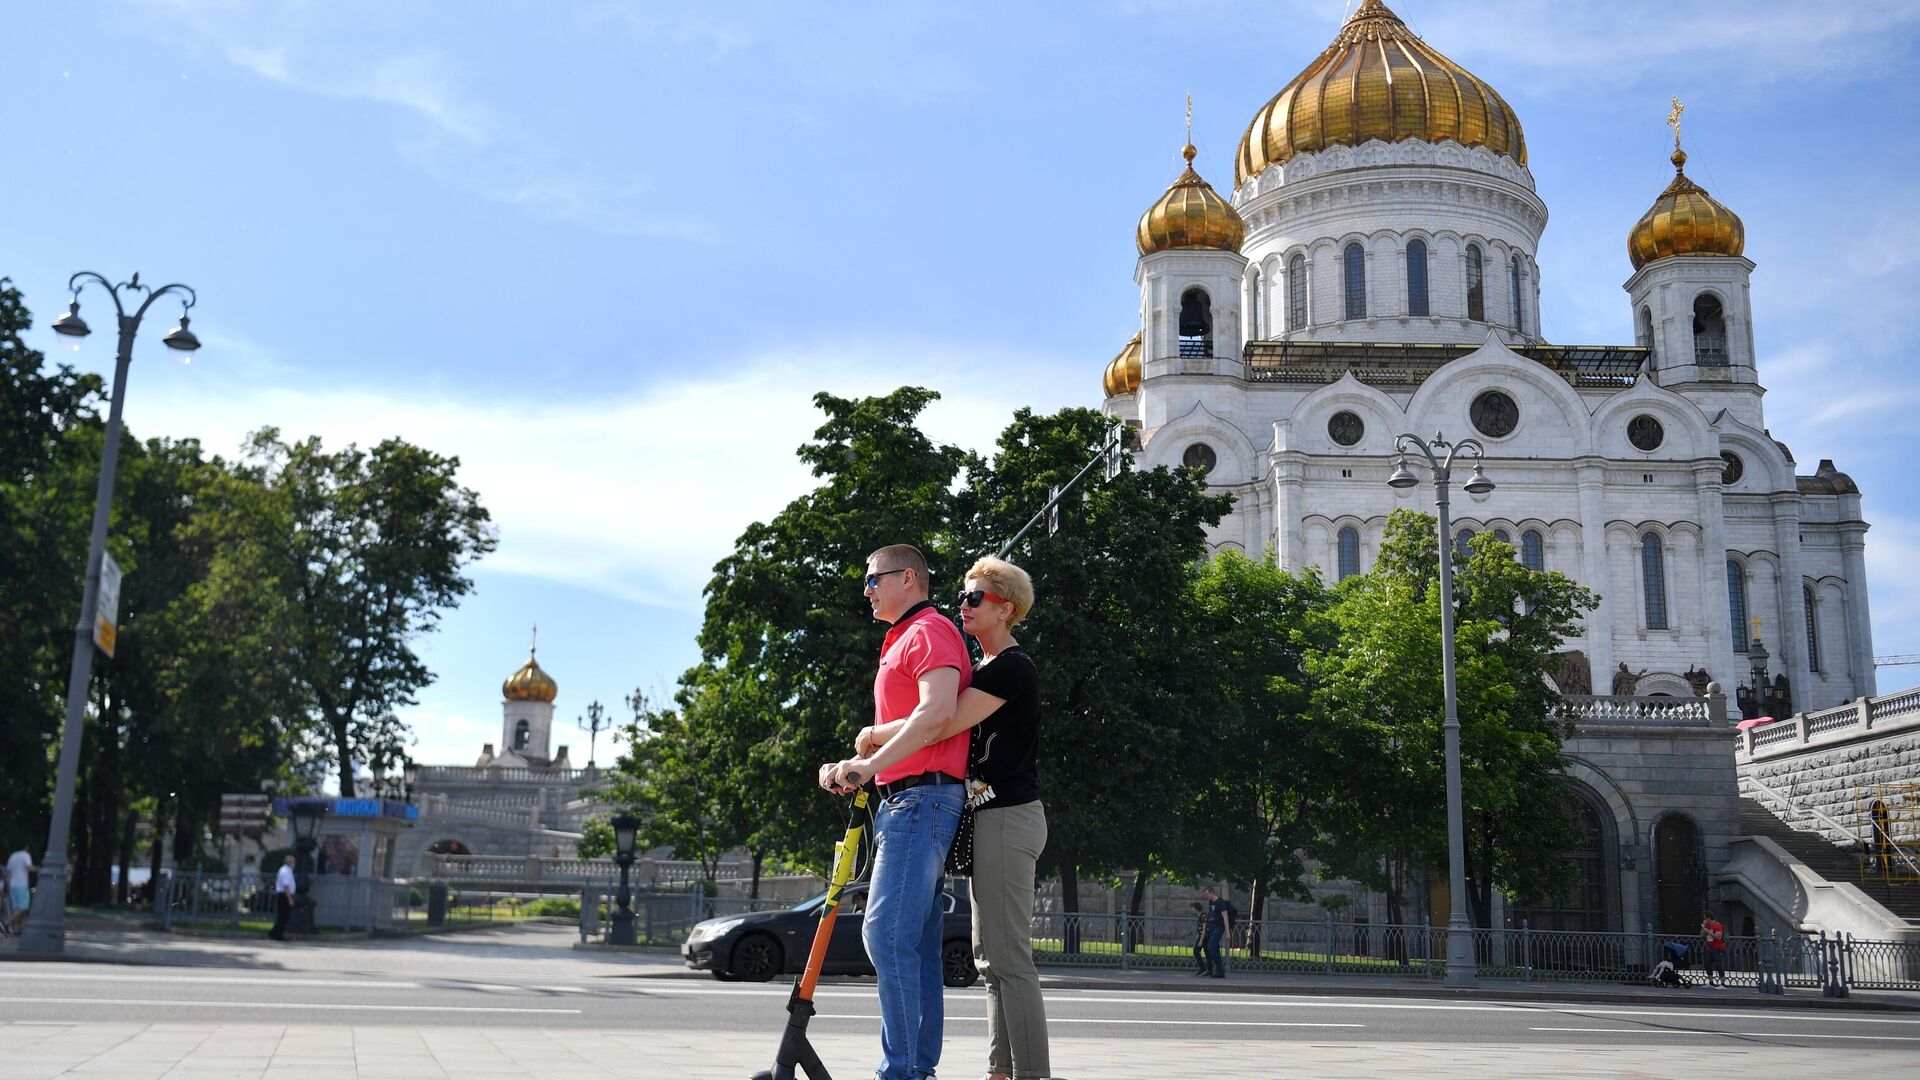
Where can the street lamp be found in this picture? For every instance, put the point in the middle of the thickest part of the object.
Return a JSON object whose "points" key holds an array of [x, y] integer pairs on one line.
{"points": [[306, 823], [1440, 456], [45, 930], [624, 826], [595, 722], [410, 776]]}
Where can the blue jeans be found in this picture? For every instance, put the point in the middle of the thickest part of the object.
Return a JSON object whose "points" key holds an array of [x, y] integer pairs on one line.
{"points": [[902, 929], [1215, 966]]}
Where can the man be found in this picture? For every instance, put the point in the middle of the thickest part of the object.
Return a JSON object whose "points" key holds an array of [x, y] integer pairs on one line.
{"points": [[923, 668], [20, 870], [1201, 967], [283, 889], [1219, 931], [1713, 934]]}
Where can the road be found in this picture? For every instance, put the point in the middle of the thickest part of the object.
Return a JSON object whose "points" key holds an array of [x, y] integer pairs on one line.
{"points": [[129, 1022]]}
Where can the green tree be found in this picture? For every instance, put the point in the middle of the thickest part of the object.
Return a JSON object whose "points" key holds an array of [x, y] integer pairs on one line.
{"points": [[1258, 806], [1113, 633], [45, 497], [789, 644], [1379, 691], [369, 546]]}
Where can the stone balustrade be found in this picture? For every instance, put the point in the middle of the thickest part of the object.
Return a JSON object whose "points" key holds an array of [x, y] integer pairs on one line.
{"points": [[1607, 710], [1862, 718]]}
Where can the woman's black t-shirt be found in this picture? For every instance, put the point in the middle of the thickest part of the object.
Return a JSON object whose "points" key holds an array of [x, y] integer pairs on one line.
{"points": [[1006, 745]]}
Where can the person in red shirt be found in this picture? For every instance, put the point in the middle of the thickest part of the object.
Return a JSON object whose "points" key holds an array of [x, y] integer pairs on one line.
{"points": [[920, 776], [1713, 933]]}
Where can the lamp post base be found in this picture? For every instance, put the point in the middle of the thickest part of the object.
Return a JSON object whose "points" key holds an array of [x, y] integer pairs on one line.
{"points": [[620, 929], [1461, 970]]}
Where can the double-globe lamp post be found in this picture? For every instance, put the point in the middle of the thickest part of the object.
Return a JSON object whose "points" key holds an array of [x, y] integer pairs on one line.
{"points": [[624, 828], [45, 929], [1441, 456]]}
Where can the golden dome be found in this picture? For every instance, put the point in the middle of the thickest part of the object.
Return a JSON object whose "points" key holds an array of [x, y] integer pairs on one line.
{"points": [[1685, 220], [1123, 371], [530, 683], [1190, 215], [1378, 81]]}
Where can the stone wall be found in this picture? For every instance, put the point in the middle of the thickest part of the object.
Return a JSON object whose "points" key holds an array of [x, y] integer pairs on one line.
{"points": [[1828, 777]]}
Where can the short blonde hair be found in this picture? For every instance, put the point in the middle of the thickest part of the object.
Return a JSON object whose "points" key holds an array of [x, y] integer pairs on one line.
{"points": [[1007, 581]]}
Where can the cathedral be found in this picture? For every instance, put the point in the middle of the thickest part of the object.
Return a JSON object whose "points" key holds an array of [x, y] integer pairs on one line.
{"points": [[1374, 273]]}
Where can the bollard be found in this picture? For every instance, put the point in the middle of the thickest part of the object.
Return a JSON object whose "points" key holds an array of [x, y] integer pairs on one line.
{"points": [[437, 904]]}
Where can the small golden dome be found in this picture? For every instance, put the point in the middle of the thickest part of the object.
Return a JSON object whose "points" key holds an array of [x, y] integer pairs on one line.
{"points": [[1190, 215], [1378, 81], [1685, 220], [1123, 371], [530, 683]]}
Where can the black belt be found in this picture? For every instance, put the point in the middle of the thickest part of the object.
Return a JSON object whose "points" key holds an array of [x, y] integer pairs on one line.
{"points": [[888, 791]]}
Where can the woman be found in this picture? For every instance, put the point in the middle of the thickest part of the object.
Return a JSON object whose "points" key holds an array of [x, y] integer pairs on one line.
{"points": [[1002, 706]]}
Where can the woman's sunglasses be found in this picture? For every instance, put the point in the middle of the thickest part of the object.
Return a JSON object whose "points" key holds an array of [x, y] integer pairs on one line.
{"points": [[972, 599]]}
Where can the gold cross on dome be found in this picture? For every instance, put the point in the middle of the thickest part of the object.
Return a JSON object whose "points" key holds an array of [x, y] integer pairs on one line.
{"points": [[1673, 120], [1754, 624], [1189, 118]]}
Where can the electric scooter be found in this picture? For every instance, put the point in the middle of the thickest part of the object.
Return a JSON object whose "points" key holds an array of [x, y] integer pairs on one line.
{"points": [[795, 1050]]}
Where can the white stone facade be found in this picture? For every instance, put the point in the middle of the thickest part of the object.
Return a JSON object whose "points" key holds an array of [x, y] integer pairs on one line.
{"points": [[1568, 471]]}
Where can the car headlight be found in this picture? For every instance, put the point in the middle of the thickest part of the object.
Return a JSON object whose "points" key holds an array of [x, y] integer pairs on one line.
{"points": [[709, 931]]}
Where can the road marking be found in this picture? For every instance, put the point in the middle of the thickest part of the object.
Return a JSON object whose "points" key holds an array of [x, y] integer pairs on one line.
{"points": [[226, 980], [1725, 1034], [311, 1006], [1569, 1008], [1098, 1020]]}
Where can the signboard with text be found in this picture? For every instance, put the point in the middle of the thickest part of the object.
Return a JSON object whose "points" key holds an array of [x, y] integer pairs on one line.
{"points": [[106, 611]]}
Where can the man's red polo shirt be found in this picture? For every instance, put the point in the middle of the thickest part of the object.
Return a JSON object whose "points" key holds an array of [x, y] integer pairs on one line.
{"points": [[921, 641]]}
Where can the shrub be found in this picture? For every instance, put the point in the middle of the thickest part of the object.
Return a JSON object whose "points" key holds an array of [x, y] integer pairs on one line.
{"points": [[555, 907]]}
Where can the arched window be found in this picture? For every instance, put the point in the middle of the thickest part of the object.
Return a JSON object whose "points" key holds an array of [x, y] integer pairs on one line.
{"points": [[521, 735], [1355, 281], [1297, 293], [1253, 307], [1416, 277], [1519, 308], [1709, 331], [1643, 336], [1653, 579], [1461, 540], [1503, 536], [1737, 603], [1584, 906], [1476, 285], [1813, 629], [1196, 323], [1680, 874], [1349, 552], [1533, 550]]}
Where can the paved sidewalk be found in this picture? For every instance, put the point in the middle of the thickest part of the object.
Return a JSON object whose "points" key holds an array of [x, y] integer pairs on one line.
{"points": [[322, 1052]]}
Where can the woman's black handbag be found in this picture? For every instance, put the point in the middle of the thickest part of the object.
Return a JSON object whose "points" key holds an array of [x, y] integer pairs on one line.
{"points": [[960, 855]]}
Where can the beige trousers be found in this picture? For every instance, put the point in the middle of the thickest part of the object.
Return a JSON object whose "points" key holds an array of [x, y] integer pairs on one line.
{"points": [[1007, 841]]}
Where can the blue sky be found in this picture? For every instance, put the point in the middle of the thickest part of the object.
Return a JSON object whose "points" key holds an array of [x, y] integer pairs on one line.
{"points": [[606, 252]]}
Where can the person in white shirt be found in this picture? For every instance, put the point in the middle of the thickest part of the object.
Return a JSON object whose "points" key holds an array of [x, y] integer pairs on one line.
{"points": [[19, 880], [283, 888]]}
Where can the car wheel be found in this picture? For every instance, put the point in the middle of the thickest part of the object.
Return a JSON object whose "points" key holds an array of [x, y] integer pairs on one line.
{"points": [[756, 958], [725, 976], [956, 963]]}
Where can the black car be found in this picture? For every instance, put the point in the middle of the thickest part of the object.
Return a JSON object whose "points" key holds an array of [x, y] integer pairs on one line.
{"points": [[757, 946]]}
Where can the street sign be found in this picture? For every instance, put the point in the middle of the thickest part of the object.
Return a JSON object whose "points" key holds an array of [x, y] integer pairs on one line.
{"points": [[245, 814], [106, 610]]}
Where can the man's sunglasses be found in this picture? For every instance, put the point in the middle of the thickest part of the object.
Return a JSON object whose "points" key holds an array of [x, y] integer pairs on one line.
{"points": [[873, 580], [973, 599]]}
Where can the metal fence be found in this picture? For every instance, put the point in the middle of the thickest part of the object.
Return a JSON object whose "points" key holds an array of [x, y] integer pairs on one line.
{"points": [[662, 916], [185, 899], [1833, 964]]}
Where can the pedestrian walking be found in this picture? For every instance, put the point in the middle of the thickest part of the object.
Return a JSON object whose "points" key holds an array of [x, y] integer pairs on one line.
{"points": [[20, 871], [1713, 933], [283, 889], [1219, 935], [920, 776]]}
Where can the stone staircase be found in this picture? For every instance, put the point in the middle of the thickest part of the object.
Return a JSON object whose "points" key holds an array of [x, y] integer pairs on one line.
{"points": [[1834, 862]]}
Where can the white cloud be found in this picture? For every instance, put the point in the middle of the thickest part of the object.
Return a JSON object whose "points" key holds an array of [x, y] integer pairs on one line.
{"points": [[638, 495]]}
